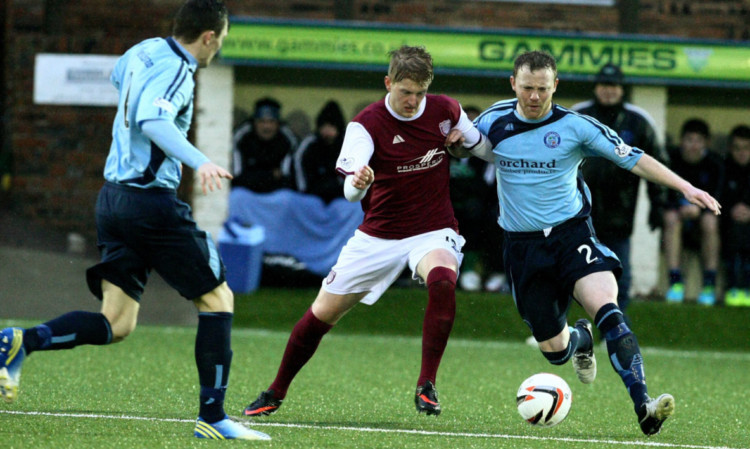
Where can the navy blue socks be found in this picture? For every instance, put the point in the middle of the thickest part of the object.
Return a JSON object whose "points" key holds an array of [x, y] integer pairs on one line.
{"points": [[213, 355], [68, 331], [624, 352]]}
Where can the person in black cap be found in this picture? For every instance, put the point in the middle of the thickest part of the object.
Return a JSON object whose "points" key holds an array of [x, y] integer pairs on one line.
{"points": [[263, 149], [315, 160], [614, 191]]}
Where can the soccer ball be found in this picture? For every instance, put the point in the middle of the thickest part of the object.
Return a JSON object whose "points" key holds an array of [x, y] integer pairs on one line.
{"points": [[544, 399]]}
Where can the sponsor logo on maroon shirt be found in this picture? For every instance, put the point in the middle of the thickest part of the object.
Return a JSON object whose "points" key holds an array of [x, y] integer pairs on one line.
{"points": [[429, 160]]}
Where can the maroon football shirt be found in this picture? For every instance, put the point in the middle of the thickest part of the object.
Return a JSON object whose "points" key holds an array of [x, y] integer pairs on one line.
{"points": [[410, 194]]}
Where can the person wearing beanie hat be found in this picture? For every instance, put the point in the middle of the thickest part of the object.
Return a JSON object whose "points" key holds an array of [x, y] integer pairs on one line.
{"points": [[315, 159], [610, 74], [614, 192], [263, 150], [686, 225], [267, 108], [331, 114]]}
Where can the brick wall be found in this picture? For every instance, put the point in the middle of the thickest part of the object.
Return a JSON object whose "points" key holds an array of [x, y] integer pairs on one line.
{"points": [[712, 19], [722, 19], [58, 152]]}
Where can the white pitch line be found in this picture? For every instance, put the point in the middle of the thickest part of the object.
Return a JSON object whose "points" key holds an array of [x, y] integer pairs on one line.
{"points": [[376, 430]]}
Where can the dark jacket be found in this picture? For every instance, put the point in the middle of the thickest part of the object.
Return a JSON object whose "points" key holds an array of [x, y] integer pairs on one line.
{"points": [[736, 189], [614, 191], [316, 168], [707, 174], [262, 166], [315, 160]]}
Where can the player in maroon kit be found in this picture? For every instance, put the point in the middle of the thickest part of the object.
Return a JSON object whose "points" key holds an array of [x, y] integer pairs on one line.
{"points": [[395, 160]]}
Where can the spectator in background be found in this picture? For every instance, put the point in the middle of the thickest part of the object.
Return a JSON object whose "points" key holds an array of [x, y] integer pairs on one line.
{"points": [[472, 188], [263, 149], [686, 224], [614, 192], [305, 228], [735, 224], [315, 159]]}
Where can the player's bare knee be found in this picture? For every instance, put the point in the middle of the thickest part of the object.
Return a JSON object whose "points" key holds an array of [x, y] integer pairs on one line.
{"points": [[330, 308], [121, 311], [439, 258], [121, 327], [220, 299]]}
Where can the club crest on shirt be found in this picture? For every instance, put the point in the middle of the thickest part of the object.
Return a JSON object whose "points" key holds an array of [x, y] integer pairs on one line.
{"points": [[623, 150], [331, 276], [346, 163], [161, 103], [552, 139], [445, 127]]}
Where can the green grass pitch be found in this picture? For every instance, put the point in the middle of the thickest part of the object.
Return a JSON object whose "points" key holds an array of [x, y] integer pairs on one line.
{"points": [[358, 391]]}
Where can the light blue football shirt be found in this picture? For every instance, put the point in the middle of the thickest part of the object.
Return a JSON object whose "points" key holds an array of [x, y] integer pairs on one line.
{"points": [[537, 163], [155, 80]]}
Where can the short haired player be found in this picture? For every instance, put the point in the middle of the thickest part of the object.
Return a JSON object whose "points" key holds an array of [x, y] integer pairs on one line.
{"points": [[395, 162], [551, 252], [143, 226]]}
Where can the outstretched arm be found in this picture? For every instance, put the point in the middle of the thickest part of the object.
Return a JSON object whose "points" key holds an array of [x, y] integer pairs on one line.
{"points": [[652, 170]]}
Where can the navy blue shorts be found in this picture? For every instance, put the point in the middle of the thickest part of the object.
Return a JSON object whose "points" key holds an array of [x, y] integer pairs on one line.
{"points": [[543, 271], [143, 229]]}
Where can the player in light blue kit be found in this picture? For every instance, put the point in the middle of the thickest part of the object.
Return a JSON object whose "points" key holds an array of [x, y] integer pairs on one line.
{"points": [[142, 226], [551, 251]]}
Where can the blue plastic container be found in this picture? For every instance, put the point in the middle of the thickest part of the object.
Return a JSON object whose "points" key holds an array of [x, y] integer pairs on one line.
{"points": [[241, 249]]}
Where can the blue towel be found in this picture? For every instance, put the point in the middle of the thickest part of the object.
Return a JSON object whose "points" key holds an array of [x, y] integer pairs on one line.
{"points": [[298, 224]]}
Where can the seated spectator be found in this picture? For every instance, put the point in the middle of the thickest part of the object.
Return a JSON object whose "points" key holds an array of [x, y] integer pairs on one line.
{"points": [[686, 224], [735, 221], [263, 150], [304, 230], [315, 160]]}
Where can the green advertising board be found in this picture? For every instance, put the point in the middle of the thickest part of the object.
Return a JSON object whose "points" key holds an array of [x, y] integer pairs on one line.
{"points": [[486, 53]]}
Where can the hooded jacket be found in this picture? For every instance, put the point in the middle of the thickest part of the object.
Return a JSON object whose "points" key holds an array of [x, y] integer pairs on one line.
{"points": [[315, 160]]}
